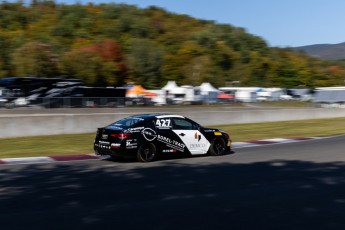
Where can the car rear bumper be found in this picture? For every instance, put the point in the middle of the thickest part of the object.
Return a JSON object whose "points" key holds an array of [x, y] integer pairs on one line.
{"points": [[118, 152]]}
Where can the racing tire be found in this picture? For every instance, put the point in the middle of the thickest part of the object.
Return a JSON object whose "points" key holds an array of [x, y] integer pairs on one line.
{"points": [[146, 152], [217, 147]]}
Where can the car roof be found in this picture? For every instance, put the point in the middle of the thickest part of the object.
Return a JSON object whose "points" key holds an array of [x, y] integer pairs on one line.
{"points": [[156, 115]]}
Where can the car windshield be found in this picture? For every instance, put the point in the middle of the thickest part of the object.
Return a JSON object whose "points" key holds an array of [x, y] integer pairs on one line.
{"points": [[128, 122]]}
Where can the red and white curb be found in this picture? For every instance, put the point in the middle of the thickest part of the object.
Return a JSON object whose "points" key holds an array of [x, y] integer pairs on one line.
{"points": [[49, 159], [80, 157], [246, 144]]}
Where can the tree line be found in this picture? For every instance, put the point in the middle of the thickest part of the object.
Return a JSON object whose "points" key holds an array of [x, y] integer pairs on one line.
{"points": [[114, 44]]}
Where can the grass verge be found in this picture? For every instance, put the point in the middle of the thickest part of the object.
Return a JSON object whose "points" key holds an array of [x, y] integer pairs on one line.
{"points": [[83, 143], [286, 129]]}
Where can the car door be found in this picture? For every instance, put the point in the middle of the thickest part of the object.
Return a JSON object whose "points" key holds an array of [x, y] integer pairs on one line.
{"points": [[166, 139], [188, 132]]}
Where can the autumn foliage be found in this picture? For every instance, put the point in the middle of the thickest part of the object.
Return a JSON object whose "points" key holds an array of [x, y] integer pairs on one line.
{"points": [[113, 44]]}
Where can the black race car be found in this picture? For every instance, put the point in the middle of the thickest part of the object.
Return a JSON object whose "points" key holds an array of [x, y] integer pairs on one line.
{"points": [[149, 135]]}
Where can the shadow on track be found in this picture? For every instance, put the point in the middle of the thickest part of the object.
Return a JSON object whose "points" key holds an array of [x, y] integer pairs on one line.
{"points": [[170, 195]]}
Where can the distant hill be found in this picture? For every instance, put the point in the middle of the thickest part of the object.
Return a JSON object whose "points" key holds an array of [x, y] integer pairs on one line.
{"points": [[324, 51], [114, 44]]}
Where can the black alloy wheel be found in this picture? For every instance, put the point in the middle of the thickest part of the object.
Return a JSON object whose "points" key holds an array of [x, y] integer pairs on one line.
{"points": [[217, 147], [146, 152]]}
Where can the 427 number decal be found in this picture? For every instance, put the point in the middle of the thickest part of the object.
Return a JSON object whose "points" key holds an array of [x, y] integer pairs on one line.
{"points": [[163, 123]]}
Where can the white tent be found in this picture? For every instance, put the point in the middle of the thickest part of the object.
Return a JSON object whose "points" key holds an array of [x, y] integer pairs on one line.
{"points": [[208, 92], [206, 87], [170, 85], [182, 94]]}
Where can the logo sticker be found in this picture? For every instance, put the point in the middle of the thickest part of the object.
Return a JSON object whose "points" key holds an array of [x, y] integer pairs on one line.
{"points": [[197, 136], [131, 145], [149, 134], [169, 151], [115, 145]]}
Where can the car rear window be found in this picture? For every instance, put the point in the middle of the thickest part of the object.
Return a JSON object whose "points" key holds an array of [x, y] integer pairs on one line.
{"points": [[129, 122]]}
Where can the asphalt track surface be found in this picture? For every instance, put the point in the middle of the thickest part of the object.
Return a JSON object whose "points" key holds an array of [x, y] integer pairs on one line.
{"points": [[297, 185]]}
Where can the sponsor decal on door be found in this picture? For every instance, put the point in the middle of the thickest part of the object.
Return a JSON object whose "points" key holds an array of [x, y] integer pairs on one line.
{"points": [[194, 141]]}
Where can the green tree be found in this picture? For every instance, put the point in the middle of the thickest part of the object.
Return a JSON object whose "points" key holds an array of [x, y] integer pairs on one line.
{"points": [[5, 56], [198, 70], [98, 64], [83, 65], [145, 61], [13, 16], [35, 58], [259, 68], [180, 48]]}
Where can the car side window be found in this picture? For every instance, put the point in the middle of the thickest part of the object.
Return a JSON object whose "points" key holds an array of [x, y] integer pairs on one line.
{"points": [[182, 124], [150, 124]]}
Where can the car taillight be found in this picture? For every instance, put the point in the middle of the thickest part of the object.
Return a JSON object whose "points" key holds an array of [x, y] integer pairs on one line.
{"points": [[120, 135]]}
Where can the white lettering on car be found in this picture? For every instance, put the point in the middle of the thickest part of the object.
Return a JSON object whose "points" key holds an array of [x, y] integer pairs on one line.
{"points": [[171, 143], [104, 142], [135, 130], [131, 145], [163, 123]]}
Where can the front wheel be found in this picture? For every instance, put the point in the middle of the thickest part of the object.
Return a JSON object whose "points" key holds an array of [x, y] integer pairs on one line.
{"points": [[146, 152], [217, 147]]}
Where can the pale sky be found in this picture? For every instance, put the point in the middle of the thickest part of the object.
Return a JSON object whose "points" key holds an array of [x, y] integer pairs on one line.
{"points": [[280, 23]]}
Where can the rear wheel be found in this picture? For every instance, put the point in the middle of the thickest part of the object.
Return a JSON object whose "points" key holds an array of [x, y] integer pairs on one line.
{"points": [[146, 152], [217, 147]]}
